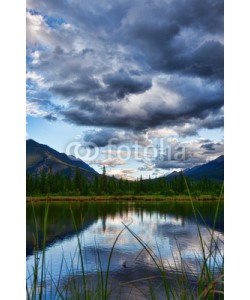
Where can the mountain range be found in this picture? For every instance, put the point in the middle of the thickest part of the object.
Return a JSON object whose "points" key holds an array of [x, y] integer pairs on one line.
{"points": [[41, 157], [213, 170]]}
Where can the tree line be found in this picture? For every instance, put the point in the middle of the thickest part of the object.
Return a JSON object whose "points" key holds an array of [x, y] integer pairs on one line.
{"points": [[47, 183]]}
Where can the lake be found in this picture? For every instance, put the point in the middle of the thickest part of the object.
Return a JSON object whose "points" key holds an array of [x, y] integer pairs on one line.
{"points": [[160, 237]]}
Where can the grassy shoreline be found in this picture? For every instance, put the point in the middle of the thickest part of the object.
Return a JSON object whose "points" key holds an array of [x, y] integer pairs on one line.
{"points": [[119, 198]]}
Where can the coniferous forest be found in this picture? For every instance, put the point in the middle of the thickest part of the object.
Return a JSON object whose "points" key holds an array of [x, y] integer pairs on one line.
{"points": [[47, 183]]}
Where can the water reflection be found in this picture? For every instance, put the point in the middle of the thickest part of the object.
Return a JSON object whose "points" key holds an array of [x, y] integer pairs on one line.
{"points": [[168, 229]]}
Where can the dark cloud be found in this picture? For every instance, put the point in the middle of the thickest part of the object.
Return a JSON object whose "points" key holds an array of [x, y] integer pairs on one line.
{"points": [[199, 103], [83, 85], [50, 117], [211, 147], [198, 100], [132, 65], [122, 84], [155, 173], [177, 164], [99, 138], [205, 15], [170, 36], [146, 167], [109, 136], [207, 61], [103, 116], [88, 51]]}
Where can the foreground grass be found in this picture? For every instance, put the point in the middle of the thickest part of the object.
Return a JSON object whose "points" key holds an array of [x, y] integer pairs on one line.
{"points": [[183, 285], [49, 198]]}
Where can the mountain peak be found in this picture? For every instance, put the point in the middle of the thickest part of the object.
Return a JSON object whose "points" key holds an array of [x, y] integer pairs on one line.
{"points": [[213, 170], [41, 157]]}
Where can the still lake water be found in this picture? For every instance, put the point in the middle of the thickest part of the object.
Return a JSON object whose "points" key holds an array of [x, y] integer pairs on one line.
{"points": [[168, 228]]}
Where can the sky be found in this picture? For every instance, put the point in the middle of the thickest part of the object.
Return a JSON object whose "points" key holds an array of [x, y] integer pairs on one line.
{"points": [[135, 86]]}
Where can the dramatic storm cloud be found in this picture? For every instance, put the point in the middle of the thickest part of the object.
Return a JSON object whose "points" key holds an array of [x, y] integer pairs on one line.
{"points": [[132, 70], [110, 137]]}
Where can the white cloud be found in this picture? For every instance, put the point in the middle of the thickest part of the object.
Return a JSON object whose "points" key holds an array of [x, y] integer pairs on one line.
{"points": [[39, 33], [122, 173], [161, 132], [33, 109], [35, 57], [37, 30], [67, 26], [112, 162], [35, 77]]}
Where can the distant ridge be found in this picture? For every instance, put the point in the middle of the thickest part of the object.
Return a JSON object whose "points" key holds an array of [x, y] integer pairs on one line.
{"points": [[213, 170], [41, 157]]}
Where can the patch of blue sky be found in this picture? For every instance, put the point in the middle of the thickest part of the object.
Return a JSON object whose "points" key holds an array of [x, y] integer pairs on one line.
{"points": [[212, 134], [54, 22], [33, 11], [29, 58], [32, 92], [215, 134], [31, 49], [55, 134]]}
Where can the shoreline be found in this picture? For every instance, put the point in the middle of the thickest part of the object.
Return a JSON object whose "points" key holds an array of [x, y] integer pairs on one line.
{"points": [[116, 198]]}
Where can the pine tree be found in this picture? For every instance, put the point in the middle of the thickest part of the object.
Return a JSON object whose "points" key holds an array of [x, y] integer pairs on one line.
{"points": [[43, 183], [104, 180], [96, 186], [29, 184], [50, 180], [78, 180]]}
